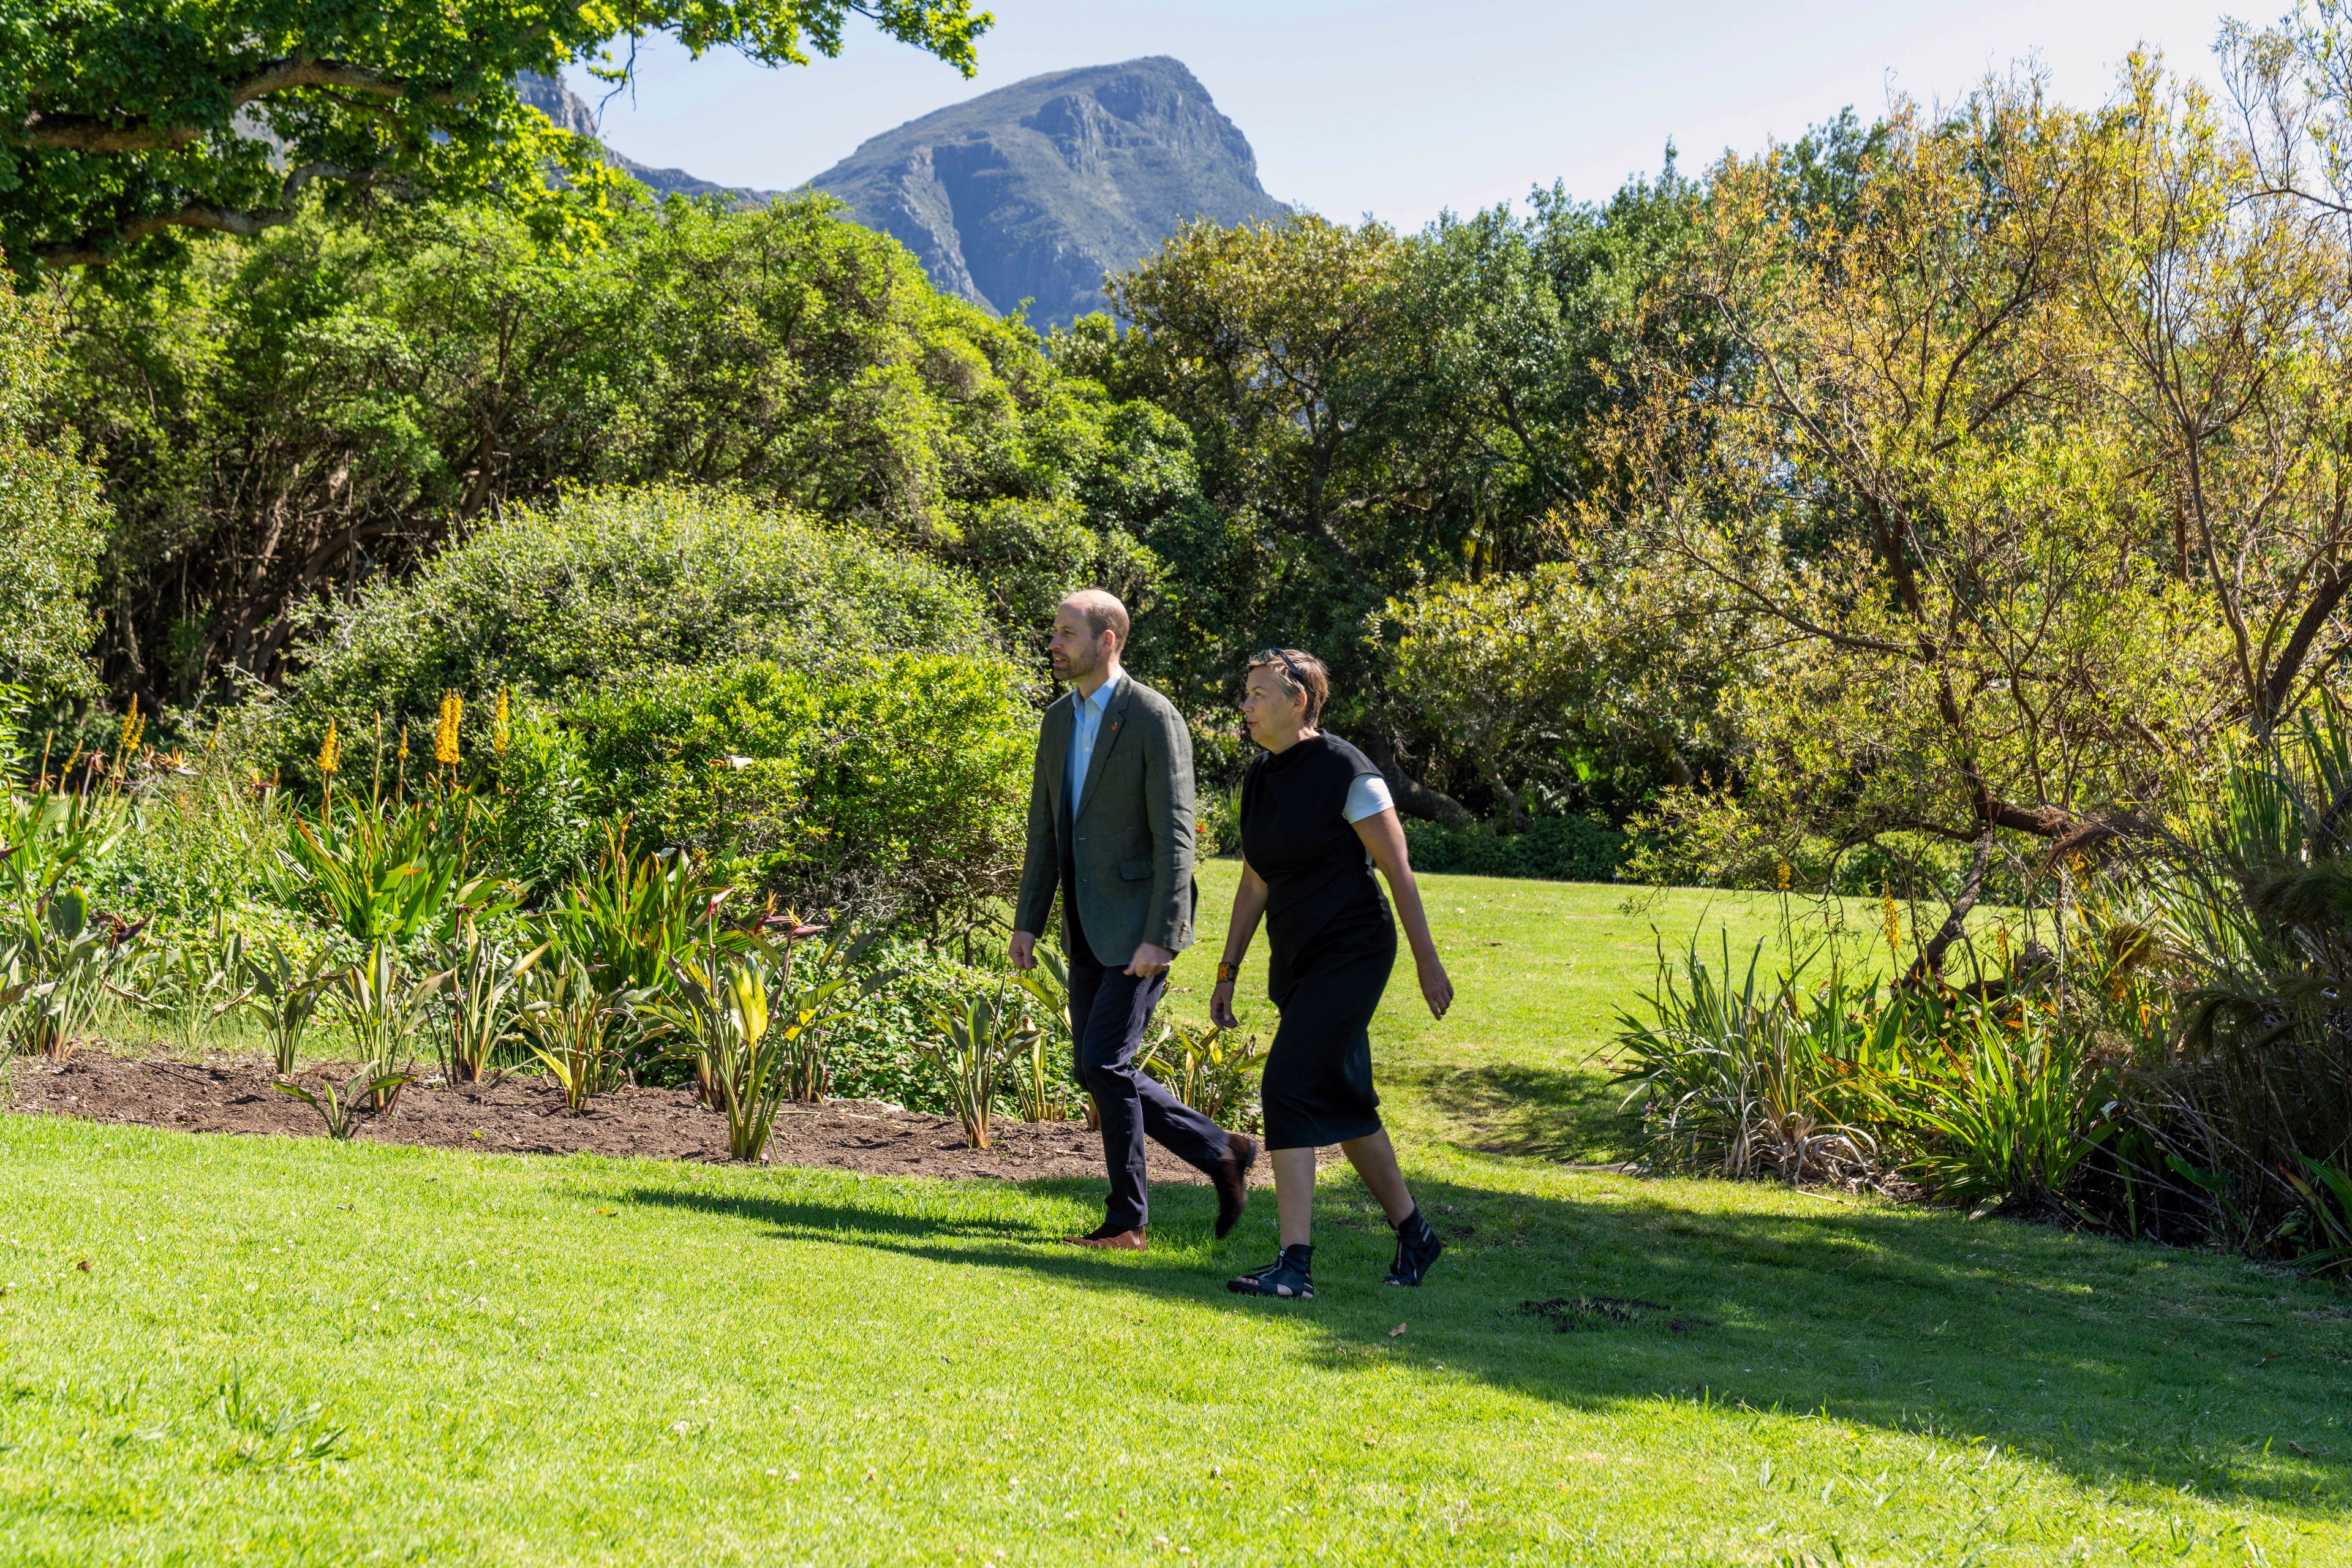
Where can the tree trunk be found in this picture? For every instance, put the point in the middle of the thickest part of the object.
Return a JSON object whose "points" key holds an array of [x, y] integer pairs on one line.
{"points": [[1930, 962], [1413, 798]]}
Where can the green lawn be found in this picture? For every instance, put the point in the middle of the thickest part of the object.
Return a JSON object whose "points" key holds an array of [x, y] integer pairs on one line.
{"points": [[583, 1360]]}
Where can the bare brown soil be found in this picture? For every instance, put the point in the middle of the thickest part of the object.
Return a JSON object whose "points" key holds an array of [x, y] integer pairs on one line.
{"points": [[526, 1115]]}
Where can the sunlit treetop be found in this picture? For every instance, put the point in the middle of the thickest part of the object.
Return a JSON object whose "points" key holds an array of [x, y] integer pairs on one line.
{"points": [[122, 119]]}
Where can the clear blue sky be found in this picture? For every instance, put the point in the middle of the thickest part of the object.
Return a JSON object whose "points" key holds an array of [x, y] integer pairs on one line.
{"points": [[1398, 110]]}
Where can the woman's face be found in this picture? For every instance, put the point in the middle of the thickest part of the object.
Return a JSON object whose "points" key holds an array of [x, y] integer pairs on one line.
{"points": [[1275, 718]]}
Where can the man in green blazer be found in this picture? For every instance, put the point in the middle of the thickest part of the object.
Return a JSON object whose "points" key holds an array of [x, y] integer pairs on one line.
{"points": [[1110, 830]]}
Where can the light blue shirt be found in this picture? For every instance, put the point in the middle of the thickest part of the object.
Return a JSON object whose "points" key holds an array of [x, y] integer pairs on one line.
{"points": [[1086, 717]]}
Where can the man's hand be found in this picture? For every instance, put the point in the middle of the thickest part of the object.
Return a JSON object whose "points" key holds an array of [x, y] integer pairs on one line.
{"points": [[1147, 961], [1022, 950]]}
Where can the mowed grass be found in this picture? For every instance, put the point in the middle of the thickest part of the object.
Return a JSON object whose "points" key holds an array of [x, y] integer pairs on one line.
{"points": [[590, 1361]]}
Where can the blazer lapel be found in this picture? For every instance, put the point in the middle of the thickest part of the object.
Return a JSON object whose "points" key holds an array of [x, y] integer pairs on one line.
{"points": [[1113, 717]]}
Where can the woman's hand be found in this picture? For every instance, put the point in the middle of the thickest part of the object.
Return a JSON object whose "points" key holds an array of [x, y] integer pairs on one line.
{"points": [[1436, 989], [1220, 1006]]}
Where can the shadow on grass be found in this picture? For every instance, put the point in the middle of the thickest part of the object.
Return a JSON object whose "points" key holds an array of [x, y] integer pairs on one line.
{"points": [[2109, 1363], [1512, 1107]]}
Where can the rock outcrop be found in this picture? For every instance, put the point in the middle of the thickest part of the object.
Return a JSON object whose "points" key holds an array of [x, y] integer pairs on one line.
{"points": [[1028, 195], [1034, 191], [571, 112]]}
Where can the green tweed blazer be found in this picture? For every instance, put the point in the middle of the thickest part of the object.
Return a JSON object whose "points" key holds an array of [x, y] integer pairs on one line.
{"points": [[1132, 835]]}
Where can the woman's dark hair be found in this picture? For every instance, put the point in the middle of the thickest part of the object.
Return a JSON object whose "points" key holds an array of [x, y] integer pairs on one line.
{"points": [[1298, 672]]}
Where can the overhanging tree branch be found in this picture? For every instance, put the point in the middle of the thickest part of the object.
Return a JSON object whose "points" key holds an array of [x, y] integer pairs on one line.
{"points": [[106, 134], [96, 250]]}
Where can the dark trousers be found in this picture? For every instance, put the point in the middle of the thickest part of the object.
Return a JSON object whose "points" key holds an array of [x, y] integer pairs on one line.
{"points": [[1108, 1010]]}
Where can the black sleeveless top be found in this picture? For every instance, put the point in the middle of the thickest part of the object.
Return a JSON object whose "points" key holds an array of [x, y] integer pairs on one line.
{"points": [[1323, 898]]}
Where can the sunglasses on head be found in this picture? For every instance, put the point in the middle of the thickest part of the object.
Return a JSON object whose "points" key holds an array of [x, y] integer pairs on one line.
{"points": [[1268, 654]]}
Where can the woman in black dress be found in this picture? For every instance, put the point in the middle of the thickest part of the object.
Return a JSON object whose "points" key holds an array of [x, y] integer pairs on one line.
{"points": [[1315, 820]]}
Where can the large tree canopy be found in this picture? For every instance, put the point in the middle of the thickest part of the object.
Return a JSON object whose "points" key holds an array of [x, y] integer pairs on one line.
{"points": [[296, 414], [124, 119]]}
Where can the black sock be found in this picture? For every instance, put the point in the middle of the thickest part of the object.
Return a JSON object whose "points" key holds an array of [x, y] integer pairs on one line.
{"points": [[1412, 1229], [1300, 1255]]}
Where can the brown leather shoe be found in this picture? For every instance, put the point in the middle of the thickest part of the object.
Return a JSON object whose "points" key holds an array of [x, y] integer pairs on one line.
{"points": [[1112, 1240], [1231, 1180]]}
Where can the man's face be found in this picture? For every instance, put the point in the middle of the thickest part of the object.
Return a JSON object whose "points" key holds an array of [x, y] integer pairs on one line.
{"points": [[1078, 654]]}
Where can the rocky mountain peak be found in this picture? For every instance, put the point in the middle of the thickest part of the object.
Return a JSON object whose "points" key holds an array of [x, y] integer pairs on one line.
{"points": [[1029, 193], [1034, 191]]}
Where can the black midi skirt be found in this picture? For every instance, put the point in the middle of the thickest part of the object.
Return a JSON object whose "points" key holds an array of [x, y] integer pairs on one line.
{"points": [[1318, 1071]]}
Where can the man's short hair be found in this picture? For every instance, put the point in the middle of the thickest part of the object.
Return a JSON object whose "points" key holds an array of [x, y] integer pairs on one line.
{"points": [[1101, 611]]}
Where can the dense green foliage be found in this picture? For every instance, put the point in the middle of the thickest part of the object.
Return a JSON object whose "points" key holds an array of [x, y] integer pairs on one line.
{"points": [[559, 602], [1369, 413], [53, 519], [128, 121], [896, 785], [297, 414], [1565, 848]]}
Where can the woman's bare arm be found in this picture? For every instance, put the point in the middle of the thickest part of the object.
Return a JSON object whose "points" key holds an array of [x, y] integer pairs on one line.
{"points": [[1384, 835], [1249, 908]]}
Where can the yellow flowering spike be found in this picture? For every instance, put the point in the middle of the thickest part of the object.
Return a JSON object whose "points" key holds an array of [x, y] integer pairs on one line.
{"points": [[1891, 913], [134, 724], [403, 753], [331, 751], [499, 728], [444, 733], [1780, 877]]}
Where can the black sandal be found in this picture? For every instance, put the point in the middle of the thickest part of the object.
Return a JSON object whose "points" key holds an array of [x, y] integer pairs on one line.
{"points": [[1286, 1276], [1417, 1249]]}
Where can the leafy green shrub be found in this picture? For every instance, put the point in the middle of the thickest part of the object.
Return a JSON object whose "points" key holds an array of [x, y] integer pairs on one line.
{"points": [[385, 1005], [2005, 1118], [754, 1017], [485, 977], [570, 1019], [56, 958], [53, 516], [1048, 1058], [545, 832], [338, 1109], [51, 836], [603, 584], [898, 784], [1212, 1073], [875, 1052], [1556, 849], [385, 870], [284, 989], [196, 975], [974, 1043], [205, 838]]}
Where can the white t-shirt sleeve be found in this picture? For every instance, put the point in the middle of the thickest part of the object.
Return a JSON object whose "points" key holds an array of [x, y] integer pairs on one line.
{"points": [[1368, 796]]}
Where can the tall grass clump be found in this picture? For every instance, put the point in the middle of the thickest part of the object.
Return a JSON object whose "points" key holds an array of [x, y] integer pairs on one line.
{"points": [[1985, 1098], [1756, 1075]]}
